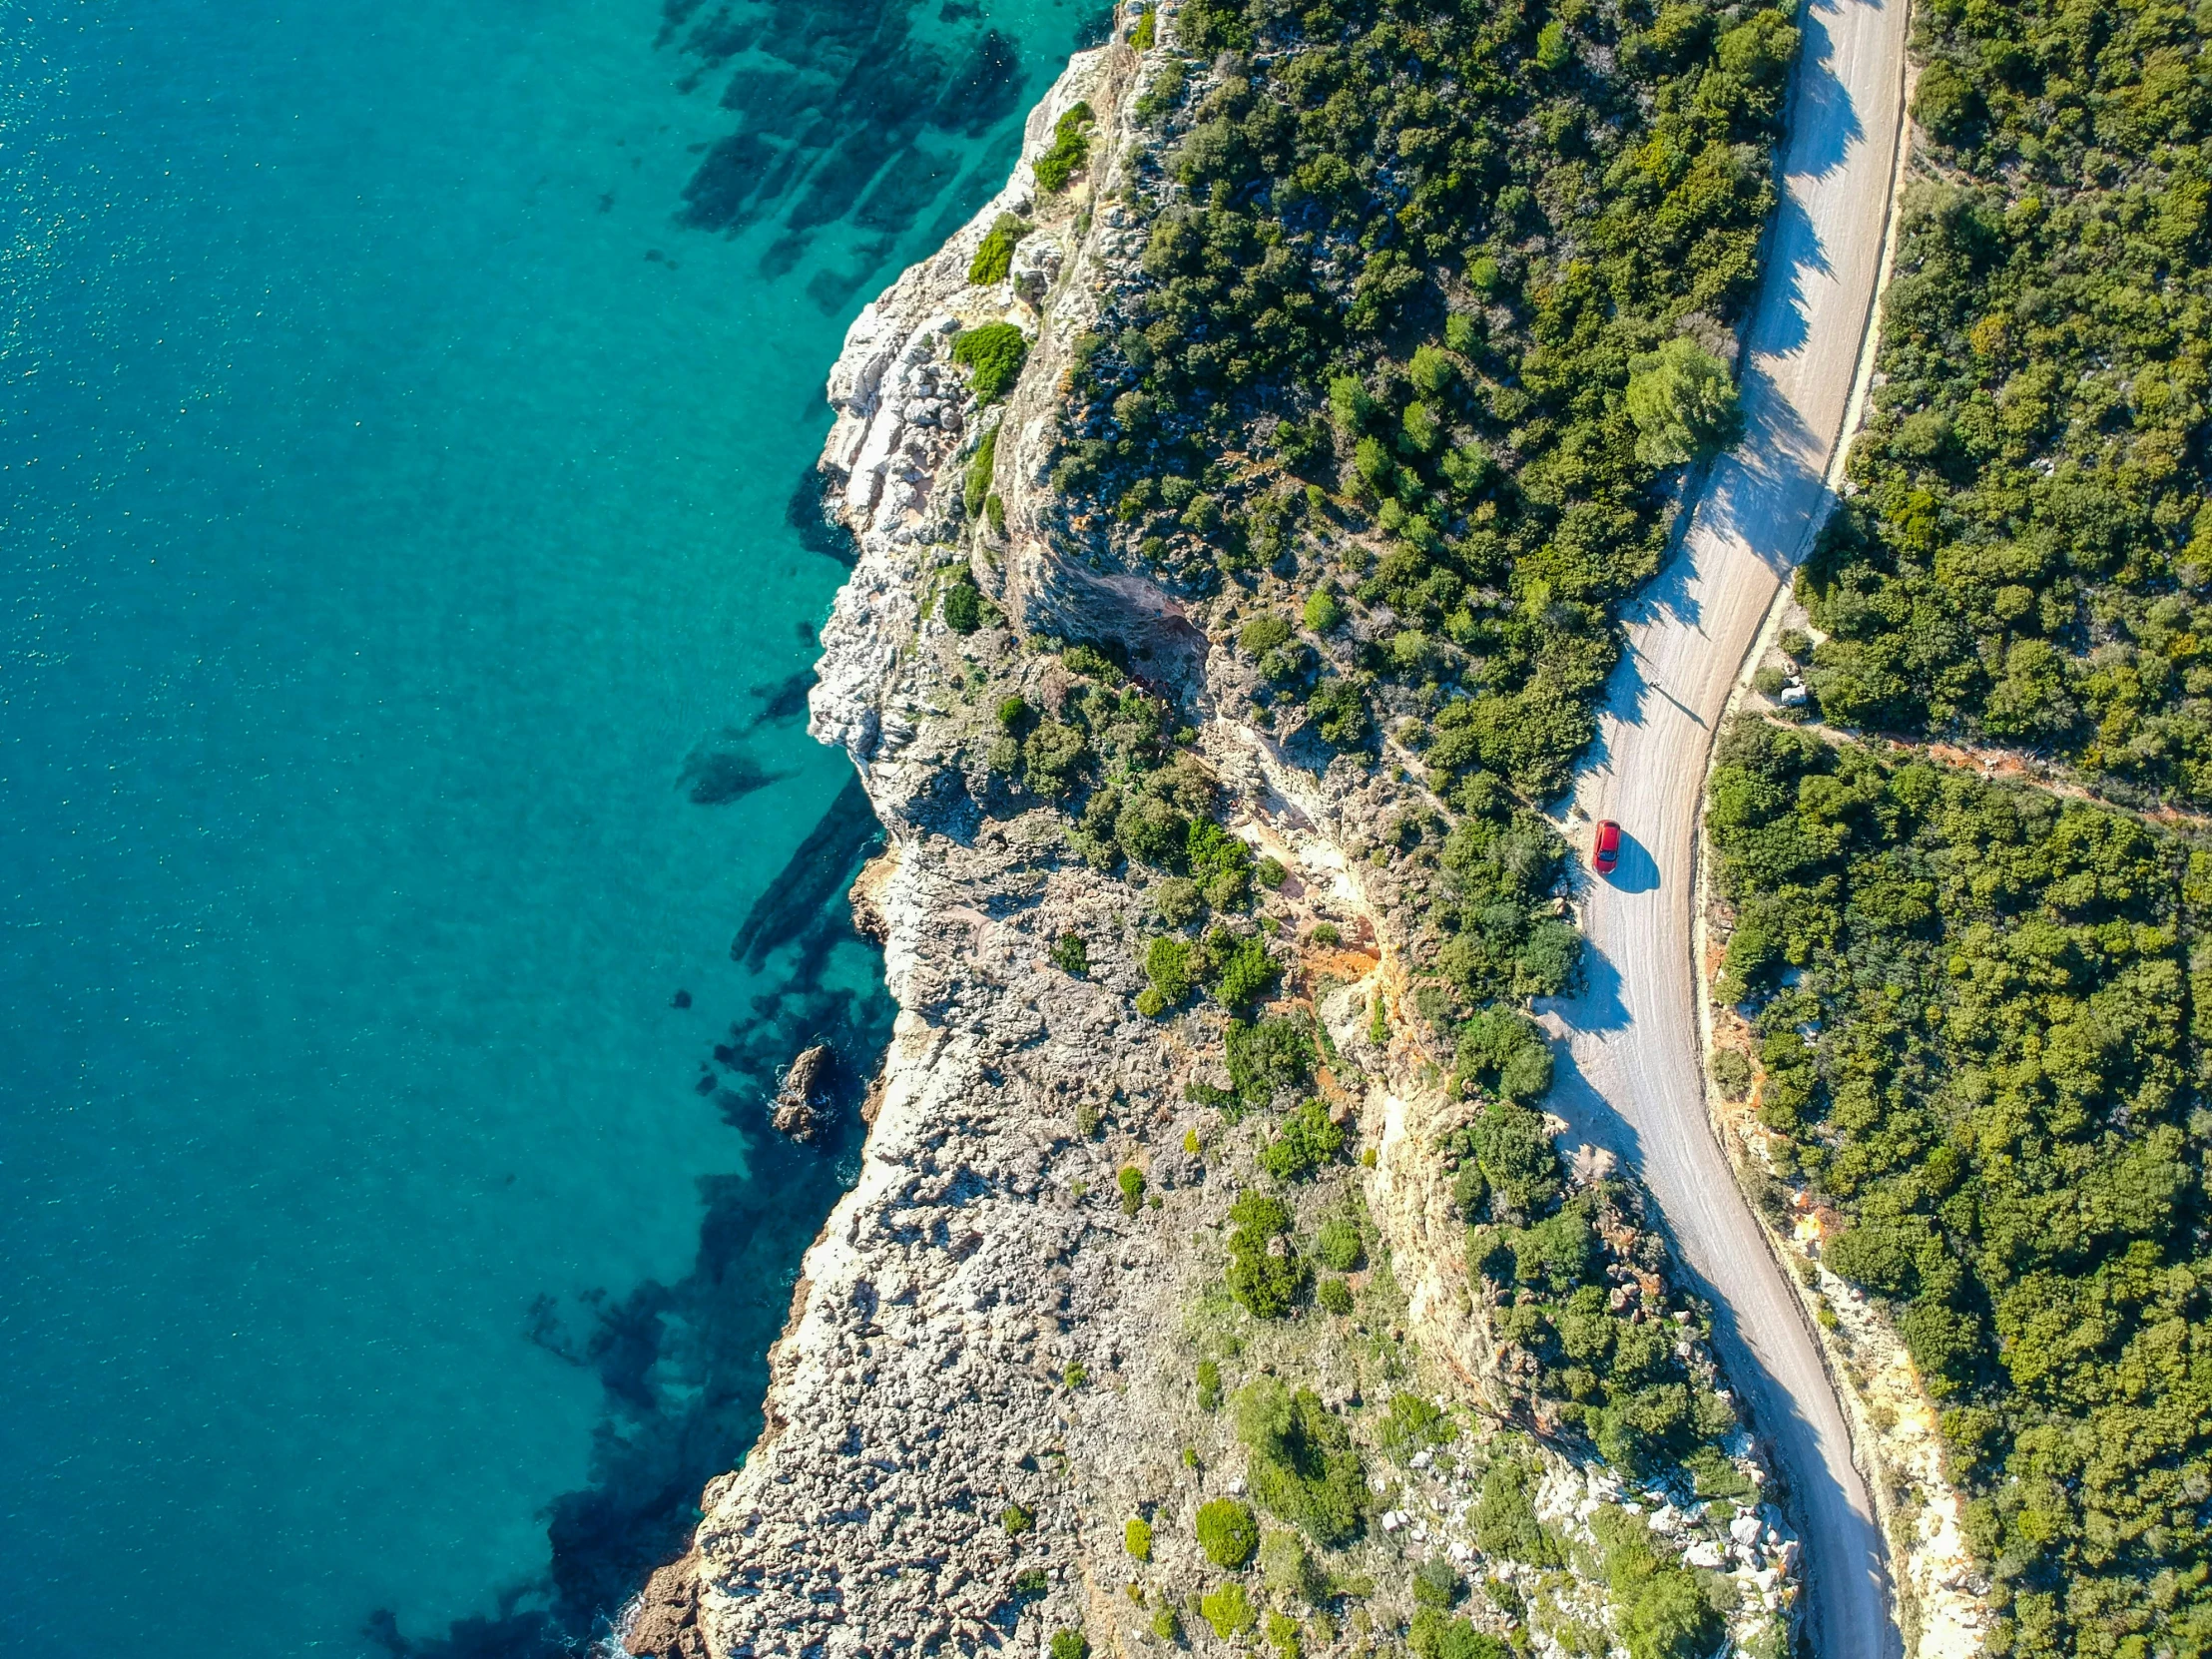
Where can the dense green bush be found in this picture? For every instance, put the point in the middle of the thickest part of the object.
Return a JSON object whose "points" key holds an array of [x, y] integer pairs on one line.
{"points": [[1308, 1141], [1337, 1245], [1071, 955], [1070, 1644], [1660, 1609], [1209, 1385], [1266, 1281], [1412, 1424], [2025, 555], [1136, 1537], [1131, 1182], [1982, 1028], [976, 486], [1227, 1532], [1301, 1466], [963, 606], [1229, 1610], [993, 355], [1506, 1523], [1071, 147], [994, 256], [1435, 1634]]}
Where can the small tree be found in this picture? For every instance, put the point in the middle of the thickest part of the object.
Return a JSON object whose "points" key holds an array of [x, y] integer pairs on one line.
{"points": [[1682, 403]]}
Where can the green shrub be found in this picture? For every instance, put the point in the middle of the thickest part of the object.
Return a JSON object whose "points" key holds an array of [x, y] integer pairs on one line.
{"points": [[1334, 1295], [1289, 1571], [1413, 1424], [1684, 404], [1302, 1465], [1227, 1532], [1436, 1583], [1071, 147], [1506, 1523], [1263, 634], [993, 355], [1266, 1284], [1308, 1141], [995, 255], [1336, 1245], [1177, 902], [1071, 955], [1136, 1537], [1323, 610], [1053, 756], [1167, 964], [1075, 1376], [1268, 1058], [1209, 1385], [1229, 1610], [1270, 872], [1029, 1582], [1340, 714], [1016, 1520], [1131, 1182], [1070, 1644], [1142, 37], [977, 484], [1327, 934], [1507, 1051], [962, 605], [1435, 1634], [1152, 833], [1247, 975], [1659, 1608]]}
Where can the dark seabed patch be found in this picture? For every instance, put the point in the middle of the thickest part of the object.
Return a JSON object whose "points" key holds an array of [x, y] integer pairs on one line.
{"points": [[783, 701], [836, 102], [718, 771], [683, 1367]]}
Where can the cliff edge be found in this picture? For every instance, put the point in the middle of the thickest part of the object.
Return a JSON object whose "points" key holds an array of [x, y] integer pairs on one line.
{"points": [[1088, 1284]]}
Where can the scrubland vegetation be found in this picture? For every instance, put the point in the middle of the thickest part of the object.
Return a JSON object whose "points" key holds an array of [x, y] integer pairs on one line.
{"points": [[2026, 555], [1984, 1037]]}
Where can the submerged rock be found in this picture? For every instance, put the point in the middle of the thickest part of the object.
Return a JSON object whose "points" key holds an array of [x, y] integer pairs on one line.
{"points": [[802, 1103]]}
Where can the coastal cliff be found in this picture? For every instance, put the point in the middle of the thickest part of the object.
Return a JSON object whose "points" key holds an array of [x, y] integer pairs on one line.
{"points": [[1012, 1375]]}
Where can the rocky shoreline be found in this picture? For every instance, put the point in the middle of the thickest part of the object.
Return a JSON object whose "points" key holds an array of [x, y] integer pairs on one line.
{"points": [[986, 1382]]}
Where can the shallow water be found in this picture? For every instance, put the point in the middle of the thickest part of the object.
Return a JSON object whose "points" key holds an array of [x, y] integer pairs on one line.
{"points": [[408, 592]]}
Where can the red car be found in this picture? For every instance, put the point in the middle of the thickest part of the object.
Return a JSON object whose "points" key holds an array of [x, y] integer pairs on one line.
{"points": [[1608, 851]]}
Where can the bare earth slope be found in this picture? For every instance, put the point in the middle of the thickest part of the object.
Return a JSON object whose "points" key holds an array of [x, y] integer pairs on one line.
{"points": [[1634, 1077]]}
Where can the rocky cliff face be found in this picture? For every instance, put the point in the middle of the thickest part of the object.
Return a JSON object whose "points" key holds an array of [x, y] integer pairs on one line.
{"points": [[990, 1366]]}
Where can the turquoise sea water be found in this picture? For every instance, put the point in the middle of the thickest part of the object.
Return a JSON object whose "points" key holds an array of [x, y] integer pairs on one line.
{"points": [[401, 629]]}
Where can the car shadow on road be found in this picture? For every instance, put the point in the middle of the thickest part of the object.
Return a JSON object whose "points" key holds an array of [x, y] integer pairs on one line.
{"points": [[1637, 870]]}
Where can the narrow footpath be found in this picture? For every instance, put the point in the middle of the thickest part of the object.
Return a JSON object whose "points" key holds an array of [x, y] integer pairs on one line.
{"points": [[1631, 1074]]}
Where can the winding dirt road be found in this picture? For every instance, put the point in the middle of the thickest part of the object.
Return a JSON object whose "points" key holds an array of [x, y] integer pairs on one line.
{"points": [[1631, 1077]]}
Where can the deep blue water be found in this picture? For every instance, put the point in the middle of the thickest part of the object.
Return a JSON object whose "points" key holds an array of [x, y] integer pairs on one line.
{"points": [[403, 604]]}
